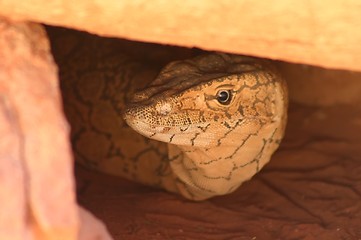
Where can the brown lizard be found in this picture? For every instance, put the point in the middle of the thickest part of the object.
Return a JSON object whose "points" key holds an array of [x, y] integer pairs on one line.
{"points": [[222, 115], [210, 123]]}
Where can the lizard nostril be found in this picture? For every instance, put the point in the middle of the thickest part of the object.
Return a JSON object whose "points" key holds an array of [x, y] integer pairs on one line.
{"points": [[139, 97], [164, 109]]}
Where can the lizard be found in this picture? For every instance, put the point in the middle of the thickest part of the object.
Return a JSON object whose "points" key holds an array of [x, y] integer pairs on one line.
{"points": [[199, 128]]}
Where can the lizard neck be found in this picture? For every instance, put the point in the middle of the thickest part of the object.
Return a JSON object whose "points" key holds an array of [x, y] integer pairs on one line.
{"points": [[204, 172]]}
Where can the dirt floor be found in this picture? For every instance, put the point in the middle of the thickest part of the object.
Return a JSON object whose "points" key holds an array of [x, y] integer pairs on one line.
{"points": [[311, 189]]}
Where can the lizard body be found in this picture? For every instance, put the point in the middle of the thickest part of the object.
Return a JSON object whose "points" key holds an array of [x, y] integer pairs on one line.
{"points": [[222, 115], [206, 124]]}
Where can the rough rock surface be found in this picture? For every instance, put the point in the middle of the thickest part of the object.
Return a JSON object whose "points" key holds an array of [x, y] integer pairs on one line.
{"points": [[323, 33], [36, 169], [315, 86]]}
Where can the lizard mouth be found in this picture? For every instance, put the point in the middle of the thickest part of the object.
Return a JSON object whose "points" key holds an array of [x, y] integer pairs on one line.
{"points": [[144, 127], [139, 126], [148, 124], [141, 123]]}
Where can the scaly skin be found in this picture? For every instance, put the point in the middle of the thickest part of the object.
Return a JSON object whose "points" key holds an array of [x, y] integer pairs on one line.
{"points": [[213, 147], [193, 145]]}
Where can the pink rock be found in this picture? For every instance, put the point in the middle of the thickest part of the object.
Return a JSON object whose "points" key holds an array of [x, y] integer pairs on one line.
{"points": [[36, 168]]}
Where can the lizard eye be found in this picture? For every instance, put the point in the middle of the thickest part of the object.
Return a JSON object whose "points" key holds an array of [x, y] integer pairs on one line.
{"points": [[224, 97]]}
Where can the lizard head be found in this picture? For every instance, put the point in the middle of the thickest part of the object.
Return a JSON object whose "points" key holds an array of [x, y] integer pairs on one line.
{"points": [[199, 101]]}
